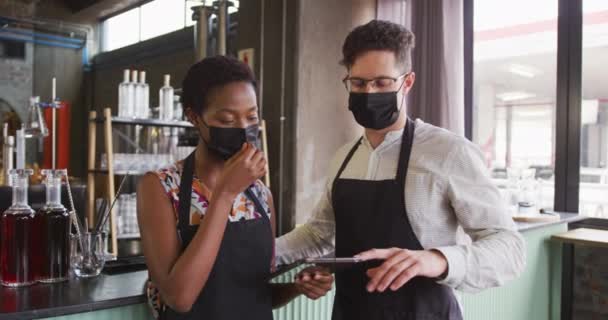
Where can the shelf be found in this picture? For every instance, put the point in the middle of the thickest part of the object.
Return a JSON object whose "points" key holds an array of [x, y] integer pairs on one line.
{"points": [[148, 122], [119, 172], [128, 236]]}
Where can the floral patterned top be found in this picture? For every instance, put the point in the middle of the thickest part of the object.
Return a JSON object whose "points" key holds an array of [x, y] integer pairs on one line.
{"points": [[243, 208]]}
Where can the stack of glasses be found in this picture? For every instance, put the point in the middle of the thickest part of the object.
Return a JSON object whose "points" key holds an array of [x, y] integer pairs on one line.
{"points": [[127, 214]]}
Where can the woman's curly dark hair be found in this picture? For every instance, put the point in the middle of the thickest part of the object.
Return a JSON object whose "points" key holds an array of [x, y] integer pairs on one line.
{"points": [[379, 35], [211, 73]]}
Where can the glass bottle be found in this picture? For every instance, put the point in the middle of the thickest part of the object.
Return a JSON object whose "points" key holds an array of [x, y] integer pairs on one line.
{"points": [[19, 236], [55, 225], [123, 94], [143, 92], [131, 89], [178, 112], [166, 100]]}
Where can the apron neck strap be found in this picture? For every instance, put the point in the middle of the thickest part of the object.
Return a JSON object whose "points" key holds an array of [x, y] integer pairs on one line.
{"points": [[258, 205], [407, 141], [406, 150], [347, 159], [185, 193]]}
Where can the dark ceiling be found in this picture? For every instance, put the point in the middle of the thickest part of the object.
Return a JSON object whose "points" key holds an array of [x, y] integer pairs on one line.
{"points": [[77, 5]]}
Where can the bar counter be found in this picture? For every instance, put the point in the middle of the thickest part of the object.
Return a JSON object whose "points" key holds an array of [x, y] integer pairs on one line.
{"points": [[73, 296], [121, 296]]}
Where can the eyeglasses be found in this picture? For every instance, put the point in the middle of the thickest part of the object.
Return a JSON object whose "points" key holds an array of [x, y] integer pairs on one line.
{"points": [[381, 83]]}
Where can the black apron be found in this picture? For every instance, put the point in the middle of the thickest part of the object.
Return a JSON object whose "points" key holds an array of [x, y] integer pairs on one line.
{"points": [[372, 214], [237, 287]]}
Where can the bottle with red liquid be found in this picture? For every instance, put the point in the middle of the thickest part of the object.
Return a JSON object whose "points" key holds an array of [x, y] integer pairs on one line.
{"points": [[55, 230], [19, 236]]}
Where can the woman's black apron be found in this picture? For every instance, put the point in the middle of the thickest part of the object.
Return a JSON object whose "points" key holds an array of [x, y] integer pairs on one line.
{"points": [[237, 287]]}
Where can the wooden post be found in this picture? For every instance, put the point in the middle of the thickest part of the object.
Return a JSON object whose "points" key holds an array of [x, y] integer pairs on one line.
{"points": [[107, 125]]}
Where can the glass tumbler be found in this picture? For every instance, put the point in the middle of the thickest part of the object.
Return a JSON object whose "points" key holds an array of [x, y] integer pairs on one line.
{"points": [[87, 254]]}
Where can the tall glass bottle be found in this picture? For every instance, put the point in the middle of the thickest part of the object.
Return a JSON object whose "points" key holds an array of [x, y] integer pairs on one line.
{"points": [[55, 225], [143, 96], [166, 99], [178, 111], [132, 92], [19, 236], [123, 95]]}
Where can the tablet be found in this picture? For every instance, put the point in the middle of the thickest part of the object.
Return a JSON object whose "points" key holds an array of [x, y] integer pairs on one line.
{"points": [[333, 264], [332, 261], [280, 270]]}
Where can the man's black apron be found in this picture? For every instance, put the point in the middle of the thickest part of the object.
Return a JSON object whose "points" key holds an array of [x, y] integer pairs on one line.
{"points": [[237, 287], [372, 214]]}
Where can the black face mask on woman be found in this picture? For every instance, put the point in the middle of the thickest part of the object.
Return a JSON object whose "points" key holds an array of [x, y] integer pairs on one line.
{"points": [[226, 142], [374, 110]]}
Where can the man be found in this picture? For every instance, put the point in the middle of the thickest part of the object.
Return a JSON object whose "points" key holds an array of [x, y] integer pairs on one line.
{"points": [[412, 201]]}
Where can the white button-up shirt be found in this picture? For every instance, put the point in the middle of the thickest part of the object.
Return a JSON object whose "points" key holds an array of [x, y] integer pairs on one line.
{"points": [[451, 203]]}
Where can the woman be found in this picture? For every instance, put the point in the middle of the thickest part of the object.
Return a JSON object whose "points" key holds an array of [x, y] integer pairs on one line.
{"points": [[207, 223]]}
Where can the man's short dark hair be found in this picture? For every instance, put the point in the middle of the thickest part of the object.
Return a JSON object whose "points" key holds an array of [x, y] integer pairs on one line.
{"points": [[211, 73], [379, 35]]}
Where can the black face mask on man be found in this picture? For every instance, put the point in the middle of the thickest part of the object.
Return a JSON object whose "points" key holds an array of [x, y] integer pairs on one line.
{"points": [[375, 111], [226, 142]]}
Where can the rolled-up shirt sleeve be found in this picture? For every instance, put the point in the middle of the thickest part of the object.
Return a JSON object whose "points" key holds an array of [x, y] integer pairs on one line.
{"points": [[497, 252]]}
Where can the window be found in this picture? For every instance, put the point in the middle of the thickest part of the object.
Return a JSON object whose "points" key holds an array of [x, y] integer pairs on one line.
{"points": [[121, 30], [514, 89], [161, 16], [150, 20], [594, 111]]}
